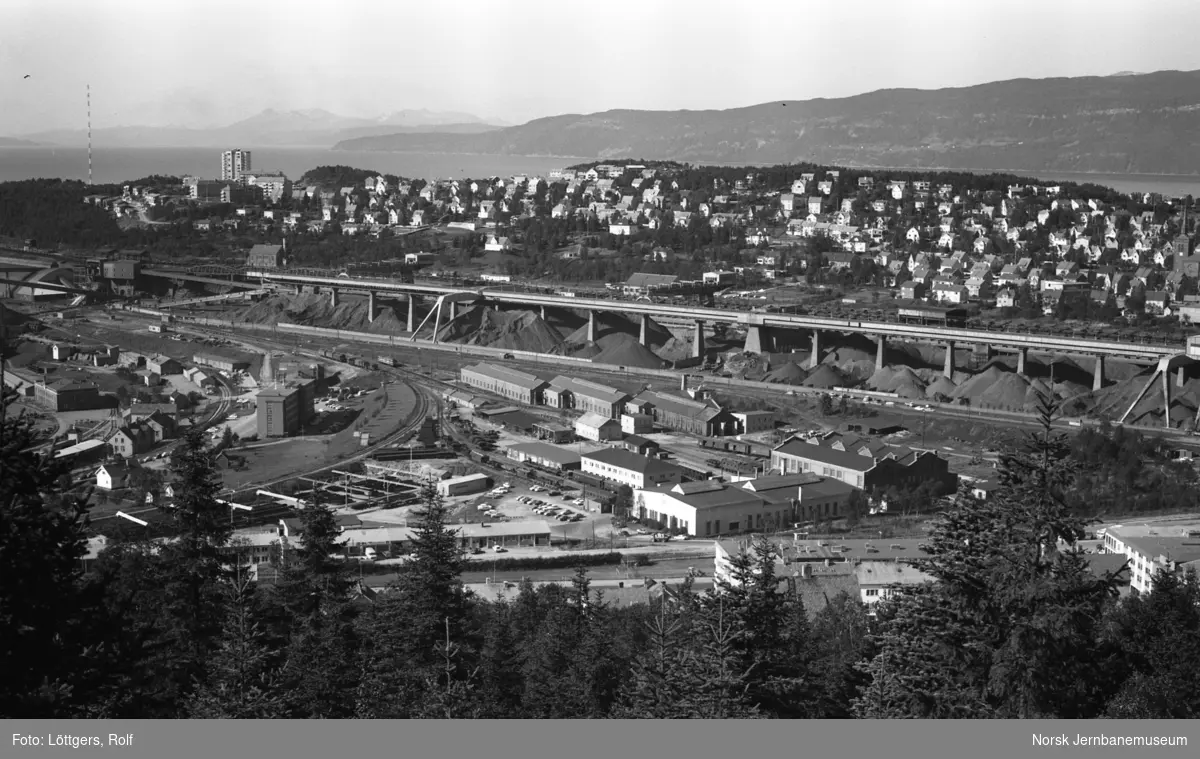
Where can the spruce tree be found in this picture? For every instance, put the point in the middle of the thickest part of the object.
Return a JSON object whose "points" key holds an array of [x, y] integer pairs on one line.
{"points": [[659, 685], [193, 566], [44, 625], [500, 682], [721, 679], [1011, 625], [773, 639], [403, 633], [240, 679], [565, 670], [841, 636], [314, 592]]}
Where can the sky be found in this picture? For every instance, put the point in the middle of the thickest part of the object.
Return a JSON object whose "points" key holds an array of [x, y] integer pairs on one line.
{"points": [[214, 62]]}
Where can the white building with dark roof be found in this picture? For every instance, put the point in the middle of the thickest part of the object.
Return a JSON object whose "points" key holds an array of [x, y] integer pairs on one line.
{"points": [[628, 468], [597, 427]]}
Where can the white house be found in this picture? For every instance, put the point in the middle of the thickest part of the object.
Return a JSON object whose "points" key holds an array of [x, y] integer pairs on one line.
{"points": [[597, 427], [112, 476], [495, 243]]}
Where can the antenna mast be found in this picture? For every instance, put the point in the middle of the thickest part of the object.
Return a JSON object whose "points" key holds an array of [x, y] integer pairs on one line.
{"points": [[89, 120]]}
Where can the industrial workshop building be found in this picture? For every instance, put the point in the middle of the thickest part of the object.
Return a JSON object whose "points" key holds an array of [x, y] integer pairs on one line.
{"points": [[588, 397], [501, 380]]}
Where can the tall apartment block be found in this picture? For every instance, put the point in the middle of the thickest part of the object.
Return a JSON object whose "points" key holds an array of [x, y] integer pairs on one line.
{"points": [[235, 164]]}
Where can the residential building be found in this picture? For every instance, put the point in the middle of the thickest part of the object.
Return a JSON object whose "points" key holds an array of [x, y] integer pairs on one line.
{"points": [[235, 164], [285, 409], [274, 185], [501, 380], [131, 440], [597, 427], [112, 476], [139, 412], [163, 427], [619, 465]]}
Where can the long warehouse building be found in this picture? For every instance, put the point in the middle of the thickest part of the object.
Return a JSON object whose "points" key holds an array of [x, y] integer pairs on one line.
{"points": [[501, 380]]}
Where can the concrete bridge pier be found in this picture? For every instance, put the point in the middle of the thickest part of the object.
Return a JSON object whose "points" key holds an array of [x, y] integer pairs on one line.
{"points": [[452, 312], [333, 297], [643, 337], [758, 340], [948, 369], [1098, 375], [543, 313], [412, 313], [371, 306], [1022, 357], [1180, 377], [880, 348], [815, 359], [697, 339], [591, 333]]}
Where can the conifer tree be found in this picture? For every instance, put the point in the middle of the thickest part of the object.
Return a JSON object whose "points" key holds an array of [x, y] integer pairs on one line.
{"points": [[1010, 626], [660, 685], [840, 633], [315, 594], [192, 566], [241, 672], [402, 633], [722, 681], [773, 631], [499, 675], [565, 675], [44, 630], [1159, 636]]}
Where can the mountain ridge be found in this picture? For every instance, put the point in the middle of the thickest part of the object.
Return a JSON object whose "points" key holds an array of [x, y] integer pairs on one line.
{"points": [[312, 127], [1140, 123]]}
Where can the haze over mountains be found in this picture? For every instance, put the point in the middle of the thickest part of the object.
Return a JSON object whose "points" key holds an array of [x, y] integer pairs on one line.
{"points": [[270, 128], [1124, 123]]}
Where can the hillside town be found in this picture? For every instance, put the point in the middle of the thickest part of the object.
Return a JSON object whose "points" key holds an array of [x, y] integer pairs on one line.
{"points": [[573, 373]]}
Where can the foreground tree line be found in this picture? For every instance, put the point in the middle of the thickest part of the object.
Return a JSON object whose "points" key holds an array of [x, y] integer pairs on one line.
{"points": [[1016, 627]]}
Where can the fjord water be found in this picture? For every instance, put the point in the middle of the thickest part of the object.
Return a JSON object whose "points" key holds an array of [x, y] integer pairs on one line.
{"points": [[121, 164]]}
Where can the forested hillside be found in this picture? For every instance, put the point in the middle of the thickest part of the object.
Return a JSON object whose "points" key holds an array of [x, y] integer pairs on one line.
{"points": [[52, 211], [1120, 124], [1013, 627]]}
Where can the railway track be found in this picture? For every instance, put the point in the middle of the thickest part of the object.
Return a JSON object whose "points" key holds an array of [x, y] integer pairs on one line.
{"points": [[415, 417]]}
